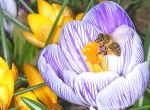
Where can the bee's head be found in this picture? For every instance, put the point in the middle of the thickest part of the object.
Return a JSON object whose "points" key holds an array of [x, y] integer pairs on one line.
{"points": [[100, 38]]}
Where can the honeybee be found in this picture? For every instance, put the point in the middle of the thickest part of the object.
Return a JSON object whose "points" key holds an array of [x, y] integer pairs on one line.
{"points": [[111, 46]]}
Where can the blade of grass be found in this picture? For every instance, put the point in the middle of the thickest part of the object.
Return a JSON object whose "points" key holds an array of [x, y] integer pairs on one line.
{"points": [[147, 45], [15, 21], [148, 90], [29, 89], [138, 5], [18, 83], [24, 53], [26, 6], [33, 105], [126, 5], [146, 58], [16, 108], [119, 1], [55, 1], [6, 53], [55, 23], [88, 7], [23, 79], [140, 108]]}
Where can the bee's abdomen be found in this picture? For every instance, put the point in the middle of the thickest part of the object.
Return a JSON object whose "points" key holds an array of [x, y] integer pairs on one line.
{"points": [[118, 51]]}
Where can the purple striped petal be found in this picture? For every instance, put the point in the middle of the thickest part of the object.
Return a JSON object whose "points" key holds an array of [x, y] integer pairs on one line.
{"points": [[87, 85], [74, 36], [124, 91], [54, 59], [108, 16], [131, 51], [54, 82]]}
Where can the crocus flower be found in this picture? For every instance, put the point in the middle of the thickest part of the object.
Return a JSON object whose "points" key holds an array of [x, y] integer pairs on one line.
{"points": [[18, 102], [10, 7], [79, 16], [41, 23], [7, 78], [65, 71], [44, 94]]}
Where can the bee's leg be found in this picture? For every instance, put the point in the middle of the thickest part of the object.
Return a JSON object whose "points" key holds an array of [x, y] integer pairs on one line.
{"points": [[105, 51]]}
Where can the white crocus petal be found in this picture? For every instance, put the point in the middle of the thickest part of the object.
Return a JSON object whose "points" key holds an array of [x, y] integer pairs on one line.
{"points": [[131, 51], [55, 83], [124, 91], [54, 58], [86, 85], [91, 108], [10, 7]]}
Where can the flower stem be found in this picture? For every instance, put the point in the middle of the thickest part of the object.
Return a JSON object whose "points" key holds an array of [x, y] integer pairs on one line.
{"points": [[55, 23]]}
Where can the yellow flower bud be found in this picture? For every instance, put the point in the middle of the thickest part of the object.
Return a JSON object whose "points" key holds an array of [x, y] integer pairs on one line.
{"points": [[3, 64], [14, 71], [36, 21], [44, 94], [41, 24], [7, 78], [32, 39], [18, 102], [7, 81], [67, 11], [49, 12], [79, 16], [4, 97]]}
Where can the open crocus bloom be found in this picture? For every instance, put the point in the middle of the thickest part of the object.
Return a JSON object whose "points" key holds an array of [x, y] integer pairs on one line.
{"points": [[65, 71]]}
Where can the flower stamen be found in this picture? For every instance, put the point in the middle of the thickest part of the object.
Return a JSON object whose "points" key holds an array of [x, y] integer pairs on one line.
{"points": [[95, 61]]}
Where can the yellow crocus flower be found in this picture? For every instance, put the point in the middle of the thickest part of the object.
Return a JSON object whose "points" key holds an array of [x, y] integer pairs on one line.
{"points": [[79, 16], [44, 94], [41, 24], [18, 102], [6, 84]]}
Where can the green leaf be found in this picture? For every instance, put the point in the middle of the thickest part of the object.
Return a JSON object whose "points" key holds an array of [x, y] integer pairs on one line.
{"points": [[33, 105], [147, 45], [142, 102], [55, 23], [26, 6], [29, 89], [140, 108], [16, 108], [148, 90], [15, 21], [126, 5], [88, 7], [119, 1], [6, 53], [139, 4]]}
